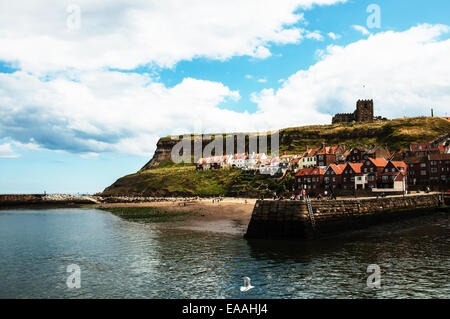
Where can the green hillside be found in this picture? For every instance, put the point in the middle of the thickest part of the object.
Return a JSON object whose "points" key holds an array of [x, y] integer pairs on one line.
{"points": [[168, 179]]}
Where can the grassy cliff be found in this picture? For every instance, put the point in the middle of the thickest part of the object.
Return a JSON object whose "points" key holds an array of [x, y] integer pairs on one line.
{"points": [[164, 178]]}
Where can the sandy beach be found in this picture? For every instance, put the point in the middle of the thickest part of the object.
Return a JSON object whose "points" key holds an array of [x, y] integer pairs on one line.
{"points": [[229, 216]]}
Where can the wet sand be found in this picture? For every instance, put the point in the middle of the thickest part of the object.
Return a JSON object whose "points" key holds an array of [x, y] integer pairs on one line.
{"points": [[229, 216]]}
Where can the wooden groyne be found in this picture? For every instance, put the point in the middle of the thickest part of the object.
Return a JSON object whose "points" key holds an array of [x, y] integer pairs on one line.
{"points": [[294, 220]]}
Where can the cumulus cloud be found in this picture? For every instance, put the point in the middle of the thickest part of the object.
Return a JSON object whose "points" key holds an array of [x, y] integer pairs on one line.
{"points": [[404, 72], [94, 111], [39, 35], [316, 35], [7, 152], [106, 111], [333, 35]]}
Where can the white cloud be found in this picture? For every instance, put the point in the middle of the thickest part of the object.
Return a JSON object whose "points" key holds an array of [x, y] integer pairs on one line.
{"points": [[361, 29], [100, 111], [404, 72], [7, 152], [316, 35], [333, 35], [123, 34], [106, 111]]}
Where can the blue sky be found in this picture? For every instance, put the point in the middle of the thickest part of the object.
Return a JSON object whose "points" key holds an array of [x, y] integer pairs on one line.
{"points": [[85, 92]]}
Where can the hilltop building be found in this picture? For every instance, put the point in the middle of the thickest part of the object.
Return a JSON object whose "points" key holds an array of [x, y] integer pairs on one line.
{"points": [[363, 113]]}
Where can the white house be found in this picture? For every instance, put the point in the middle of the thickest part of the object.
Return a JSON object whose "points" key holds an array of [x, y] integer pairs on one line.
{"points": [[254, 159], [239, 160]]}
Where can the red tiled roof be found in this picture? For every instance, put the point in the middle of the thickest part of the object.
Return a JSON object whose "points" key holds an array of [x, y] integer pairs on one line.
{"points": [[400, 164], [311, 171], [311, 152], [356, 167], [338, 169], [378, 162], [424, 147], [439, 157], [240, 156], [327, 150]]}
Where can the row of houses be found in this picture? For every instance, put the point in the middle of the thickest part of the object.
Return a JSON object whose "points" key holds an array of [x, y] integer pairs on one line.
{"points": [[374, 174], [338, 169], [376, 169], [255, 161]]}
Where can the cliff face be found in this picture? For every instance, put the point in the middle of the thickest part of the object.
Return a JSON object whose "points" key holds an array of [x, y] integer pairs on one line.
{"points": [[162, 153]]}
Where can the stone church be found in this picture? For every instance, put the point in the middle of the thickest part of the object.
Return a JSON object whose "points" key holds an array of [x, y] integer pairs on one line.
{"points": [[363, 113]]}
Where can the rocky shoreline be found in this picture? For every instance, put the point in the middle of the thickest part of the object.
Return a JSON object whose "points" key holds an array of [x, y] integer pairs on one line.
{"points": [[8, 201]]}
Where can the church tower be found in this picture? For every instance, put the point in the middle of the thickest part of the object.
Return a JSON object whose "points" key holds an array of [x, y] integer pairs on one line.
{"points": [[364, 111]]}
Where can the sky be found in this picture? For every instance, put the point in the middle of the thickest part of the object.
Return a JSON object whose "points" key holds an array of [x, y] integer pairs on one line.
{"points": [[87, 87]]}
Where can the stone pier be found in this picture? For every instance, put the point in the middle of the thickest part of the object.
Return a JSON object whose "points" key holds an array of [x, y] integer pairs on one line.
{"points": [[291, 219]]}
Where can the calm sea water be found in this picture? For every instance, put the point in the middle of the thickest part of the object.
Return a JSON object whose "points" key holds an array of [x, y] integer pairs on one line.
{"points": [[120, 259]]}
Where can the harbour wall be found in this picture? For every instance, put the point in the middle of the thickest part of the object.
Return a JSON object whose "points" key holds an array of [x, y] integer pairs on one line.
{"points": [[292, 220], [8, 201]]}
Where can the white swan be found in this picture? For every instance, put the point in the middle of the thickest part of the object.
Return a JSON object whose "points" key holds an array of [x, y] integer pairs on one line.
{"points": [[247, 285]]}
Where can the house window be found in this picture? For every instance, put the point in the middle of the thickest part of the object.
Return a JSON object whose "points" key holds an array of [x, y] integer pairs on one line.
{"points": [[385, 179], [371, 178], [423, 165], [345, 179], [423, 173], [434, 170]]}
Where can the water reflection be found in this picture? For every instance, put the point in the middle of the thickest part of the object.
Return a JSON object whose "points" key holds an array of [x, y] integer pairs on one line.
{"points": [[120, 259]]}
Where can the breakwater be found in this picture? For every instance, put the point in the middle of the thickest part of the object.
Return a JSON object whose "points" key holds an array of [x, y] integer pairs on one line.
{"points": [[293, 220], [42, 200]]}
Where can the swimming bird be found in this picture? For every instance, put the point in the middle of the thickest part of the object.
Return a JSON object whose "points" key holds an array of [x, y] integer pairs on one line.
{"points": [[247, 285]]}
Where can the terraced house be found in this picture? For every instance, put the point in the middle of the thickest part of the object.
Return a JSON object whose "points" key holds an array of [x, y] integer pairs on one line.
{"points": [[310, 179], [333, 177], [372, 168]]}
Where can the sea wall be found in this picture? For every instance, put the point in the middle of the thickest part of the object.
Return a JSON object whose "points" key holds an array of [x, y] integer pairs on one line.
{"points": [[291, 219]]}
